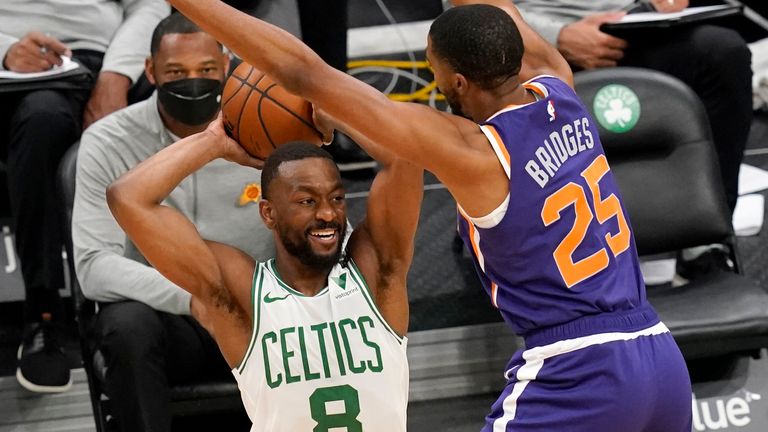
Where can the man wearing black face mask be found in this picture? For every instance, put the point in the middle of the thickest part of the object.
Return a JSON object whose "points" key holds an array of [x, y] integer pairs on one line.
{"points": [[144, 327], [192, 101]]}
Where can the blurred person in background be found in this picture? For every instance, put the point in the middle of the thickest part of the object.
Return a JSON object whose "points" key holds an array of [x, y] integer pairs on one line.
{"points": [[111, 39]]}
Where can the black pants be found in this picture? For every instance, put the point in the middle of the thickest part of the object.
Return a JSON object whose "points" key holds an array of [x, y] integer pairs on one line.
{"points": [[147, 351], [716, 63], [36, 128]]}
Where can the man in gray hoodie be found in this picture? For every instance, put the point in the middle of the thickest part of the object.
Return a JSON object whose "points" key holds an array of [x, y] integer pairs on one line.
{"points": [[145, 326]]}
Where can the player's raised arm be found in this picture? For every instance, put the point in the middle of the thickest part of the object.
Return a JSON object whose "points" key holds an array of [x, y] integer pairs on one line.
{"points": [[166, 238], [540, 56], [382, 245]]}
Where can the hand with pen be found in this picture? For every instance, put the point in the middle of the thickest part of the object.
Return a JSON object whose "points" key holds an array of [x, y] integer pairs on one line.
{"points": [[35, 52], [584, 45]]}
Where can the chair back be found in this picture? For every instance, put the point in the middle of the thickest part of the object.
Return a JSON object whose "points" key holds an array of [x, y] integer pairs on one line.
{"points": [[66, 187], [658, 141], [85, 309]]}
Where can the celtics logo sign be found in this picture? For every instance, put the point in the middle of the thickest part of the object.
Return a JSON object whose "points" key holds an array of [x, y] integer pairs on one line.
{"points": [[617, 108]]}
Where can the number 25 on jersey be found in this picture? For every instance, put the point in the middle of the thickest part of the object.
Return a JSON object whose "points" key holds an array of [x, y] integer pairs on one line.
{"points": [[574, 195]]}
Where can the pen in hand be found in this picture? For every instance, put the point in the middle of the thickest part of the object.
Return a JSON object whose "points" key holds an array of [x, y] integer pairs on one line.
{"points": [[51, 54], [639, 6]]}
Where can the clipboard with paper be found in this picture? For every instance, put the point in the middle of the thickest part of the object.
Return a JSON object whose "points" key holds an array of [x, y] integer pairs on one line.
{"points": [[655, 20], [70, 75]]}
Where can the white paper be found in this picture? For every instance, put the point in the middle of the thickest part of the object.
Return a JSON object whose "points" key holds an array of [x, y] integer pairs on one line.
{"points": [[658, 271], [642, 17], [752, 179], [67, 64], [759, 50], [748, 215]]}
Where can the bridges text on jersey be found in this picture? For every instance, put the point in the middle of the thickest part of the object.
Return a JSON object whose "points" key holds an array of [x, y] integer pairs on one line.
{"points": [[571, 139]]}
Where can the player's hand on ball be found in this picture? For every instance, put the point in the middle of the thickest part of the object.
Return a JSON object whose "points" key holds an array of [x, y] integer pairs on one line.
{"points": [[230, 149], [323, 123]]}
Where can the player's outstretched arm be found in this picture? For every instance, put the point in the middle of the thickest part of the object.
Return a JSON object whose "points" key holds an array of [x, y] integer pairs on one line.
{"points": [[540, 56], [382, 245], [411, 131]]}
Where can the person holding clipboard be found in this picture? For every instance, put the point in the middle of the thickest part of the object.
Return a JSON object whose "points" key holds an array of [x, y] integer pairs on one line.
{"points": [[713, 60], [45, 103]]}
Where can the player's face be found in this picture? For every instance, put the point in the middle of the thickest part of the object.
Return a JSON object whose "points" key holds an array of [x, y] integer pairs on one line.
{"points": [[310, 218], [443, 78]]}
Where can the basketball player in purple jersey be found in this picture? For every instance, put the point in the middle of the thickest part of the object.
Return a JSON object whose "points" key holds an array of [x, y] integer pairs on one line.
{"points": [[538, 208]]}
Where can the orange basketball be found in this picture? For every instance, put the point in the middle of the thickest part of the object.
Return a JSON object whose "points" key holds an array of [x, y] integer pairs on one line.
{"points": [[261, 115]]}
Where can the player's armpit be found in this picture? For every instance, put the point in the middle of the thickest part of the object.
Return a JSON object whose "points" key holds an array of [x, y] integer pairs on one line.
{"points": [[237, 269], [230, 308]]}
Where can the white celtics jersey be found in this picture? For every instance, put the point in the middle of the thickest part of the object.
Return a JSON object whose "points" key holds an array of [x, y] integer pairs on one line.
{"points": [[328, 363]]}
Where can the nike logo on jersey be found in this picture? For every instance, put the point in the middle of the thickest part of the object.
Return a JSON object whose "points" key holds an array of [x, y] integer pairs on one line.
{"points": [[268, 299]]}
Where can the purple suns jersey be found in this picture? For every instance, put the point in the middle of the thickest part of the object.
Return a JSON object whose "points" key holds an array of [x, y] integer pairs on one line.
{"points": [[564, 247]]}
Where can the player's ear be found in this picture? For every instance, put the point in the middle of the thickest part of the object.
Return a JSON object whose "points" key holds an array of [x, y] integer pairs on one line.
{"points": [[460, 83], [267, 213], [149, 70]]}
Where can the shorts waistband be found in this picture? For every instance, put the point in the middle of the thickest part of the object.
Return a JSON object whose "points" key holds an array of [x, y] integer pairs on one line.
{"points": [[630, 320]]}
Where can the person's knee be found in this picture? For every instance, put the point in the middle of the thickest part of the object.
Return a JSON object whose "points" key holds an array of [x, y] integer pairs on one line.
{"points": [[129, 330], [722, 47], [48, 110]]}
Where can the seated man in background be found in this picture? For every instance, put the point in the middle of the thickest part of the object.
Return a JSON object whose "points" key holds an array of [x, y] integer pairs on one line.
{"points": [[714, 61], [110, 38], [144, 328]]}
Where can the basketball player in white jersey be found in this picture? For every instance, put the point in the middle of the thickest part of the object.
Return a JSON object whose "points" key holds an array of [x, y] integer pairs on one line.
{"points": [[315, 337]]}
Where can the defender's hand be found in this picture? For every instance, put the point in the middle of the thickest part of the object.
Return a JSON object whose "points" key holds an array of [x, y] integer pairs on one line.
{"points": [[324, 124]]}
